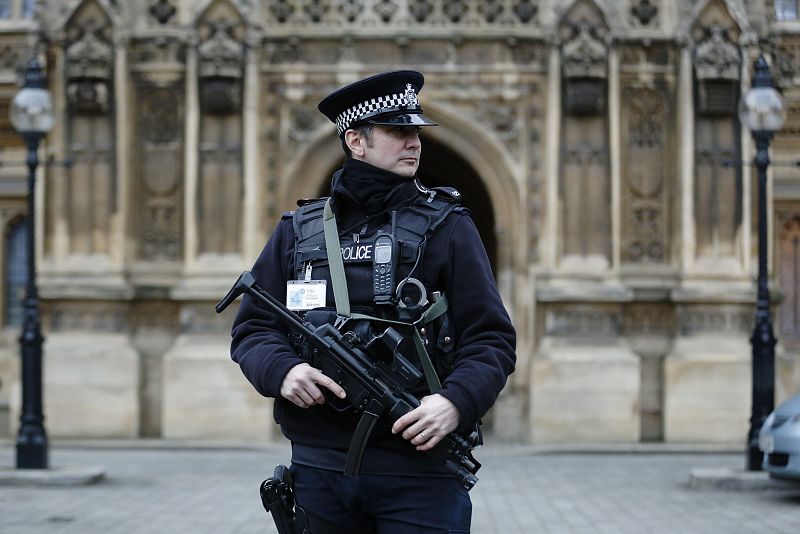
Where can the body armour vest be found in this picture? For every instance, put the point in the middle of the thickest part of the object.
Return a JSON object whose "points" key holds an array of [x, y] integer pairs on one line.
{"points": [[413, 224]]}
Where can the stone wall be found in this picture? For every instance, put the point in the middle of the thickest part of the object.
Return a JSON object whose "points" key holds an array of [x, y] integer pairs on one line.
{"points": [[589, 139]]}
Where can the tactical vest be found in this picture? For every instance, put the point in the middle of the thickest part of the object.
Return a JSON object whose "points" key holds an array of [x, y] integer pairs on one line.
{"points": [[413, 225]]}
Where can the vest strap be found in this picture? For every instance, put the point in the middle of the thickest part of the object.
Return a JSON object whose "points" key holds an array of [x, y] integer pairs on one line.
{"points": [[335, 264], [342, 299]]}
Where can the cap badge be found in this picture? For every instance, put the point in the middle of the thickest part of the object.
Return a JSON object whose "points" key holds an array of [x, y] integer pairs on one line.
{"points": [[410, 96]]}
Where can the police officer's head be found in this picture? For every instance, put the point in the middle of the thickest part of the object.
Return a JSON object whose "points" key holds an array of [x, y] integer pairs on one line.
{"points": [[378, 119]]}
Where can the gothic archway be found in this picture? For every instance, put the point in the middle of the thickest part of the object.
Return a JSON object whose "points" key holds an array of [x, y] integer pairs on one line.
{"points": [[442, 166]]}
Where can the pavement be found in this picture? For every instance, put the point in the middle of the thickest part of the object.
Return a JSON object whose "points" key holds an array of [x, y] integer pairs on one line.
{"points": [[165, 487]]}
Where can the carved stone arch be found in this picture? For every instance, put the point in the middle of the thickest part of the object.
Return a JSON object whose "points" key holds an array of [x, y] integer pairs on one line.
{"points": [[492, 165], [207, 10], [479, 149], [301, 178], [594, 10], [89, 58], [492, 162], [221, 32], [86, 8], [707, 12], [717, 59], [584, 35]]}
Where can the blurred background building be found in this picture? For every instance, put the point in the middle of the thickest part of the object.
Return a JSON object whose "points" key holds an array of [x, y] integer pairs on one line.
{"points": [[591, 139]]}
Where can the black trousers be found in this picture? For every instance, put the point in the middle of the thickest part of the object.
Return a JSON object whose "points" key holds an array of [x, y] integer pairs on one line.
{"points": [[382, 504]]}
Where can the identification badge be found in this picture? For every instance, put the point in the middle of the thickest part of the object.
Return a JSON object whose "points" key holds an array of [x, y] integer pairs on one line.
{"points": [[305, 294]]}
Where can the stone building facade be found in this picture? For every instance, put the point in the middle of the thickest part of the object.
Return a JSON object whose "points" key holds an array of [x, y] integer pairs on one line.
{"points": [[590, 138]]}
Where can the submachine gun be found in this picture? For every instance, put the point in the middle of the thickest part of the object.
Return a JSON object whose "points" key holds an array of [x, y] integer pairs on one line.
{"points": [[376, 382]]}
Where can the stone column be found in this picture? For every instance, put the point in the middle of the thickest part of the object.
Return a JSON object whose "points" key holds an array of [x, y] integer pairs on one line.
{"points": [[192, 136], [686, 158], [706, 374], [614, 149], [551, 158], [205, 394], [119, 248], [252, 237]]}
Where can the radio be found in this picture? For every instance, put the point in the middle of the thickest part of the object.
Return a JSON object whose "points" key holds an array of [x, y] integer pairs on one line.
{"points": [[384, 256]]}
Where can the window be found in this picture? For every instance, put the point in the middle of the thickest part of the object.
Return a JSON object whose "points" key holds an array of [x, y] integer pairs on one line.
{"points": [[17, 9], [786, 9], [27, 8], [16, 271]]}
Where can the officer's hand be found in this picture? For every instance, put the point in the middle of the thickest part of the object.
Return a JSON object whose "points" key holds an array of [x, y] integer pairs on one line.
{"points": [[427, 424], [300, 386]]}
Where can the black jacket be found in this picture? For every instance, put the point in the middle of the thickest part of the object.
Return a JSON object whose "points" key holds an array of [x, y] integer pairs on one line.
{"points": [[454, 262]]}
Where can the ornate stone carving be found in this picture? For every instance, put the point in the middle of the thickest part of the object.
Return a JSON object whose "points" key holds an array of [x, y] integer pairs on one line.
{"points": [[86, 317], [220, 71], [717, 64], [420, 9], [525, 10], [89, 70], [710, 319], [162, 11], [645, 319], [316, 9], [644, 11], [302, 123], [220, 55], [13, 56], [584, 55], [440, 14], [584, 64], [201, 319], [716, 57], [160, 195], [385, 9], [455, 10], [785, 54], [644, 232], [282, 10], [491, 10], [583, 321], [351, 9]]}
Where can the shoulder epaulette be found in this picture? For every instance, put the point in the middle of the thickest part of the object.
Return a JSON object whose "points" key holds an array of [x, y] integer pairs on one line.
{"points": [[441, 193], [303, 201]]}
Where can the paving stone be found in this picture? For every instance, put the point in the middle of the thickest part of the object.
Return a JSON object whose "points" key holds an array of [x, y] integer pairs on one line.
{"points": [[215, 490]]}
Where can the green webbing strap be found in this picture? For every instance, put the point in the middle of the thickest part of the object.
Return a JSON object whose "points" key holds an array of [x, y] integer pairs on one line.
{"points": [[434, 385], [434, 310], [335, 264], [342, 299]]}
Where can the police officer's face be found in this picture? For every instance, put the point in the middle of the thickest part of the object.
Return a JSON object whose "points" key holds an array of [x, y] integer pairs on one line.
{"points": [[393, 148]]}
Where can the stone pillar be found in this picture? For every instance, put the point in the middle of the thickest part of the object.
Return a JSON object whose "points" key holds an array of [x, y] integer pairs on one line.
{"points": [[707, 375], [252, 236], [91, 369], [707, 372], [614, 95], [205, 394], [586, 380]]}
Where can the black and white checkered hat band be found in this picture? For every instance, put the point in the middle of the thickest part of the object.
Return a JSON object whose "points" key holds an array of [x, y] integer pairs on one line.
{"points": [[372, 107]]}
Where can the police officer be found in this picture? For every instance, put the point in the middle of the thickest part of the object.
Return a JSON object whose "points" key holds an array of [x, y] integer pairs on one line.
{"points": [[403, 248]]}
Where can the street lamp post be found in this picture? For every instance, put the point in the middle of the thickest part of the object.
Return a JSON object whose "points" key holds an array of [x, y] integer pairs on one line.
{"points": [[32, 116], [763, 113]]}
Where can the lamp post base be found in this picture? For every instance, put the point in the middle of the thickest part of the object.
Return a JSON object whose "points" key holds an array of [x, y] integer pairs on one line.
{"points": [[755, 458], [32, 449]]}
